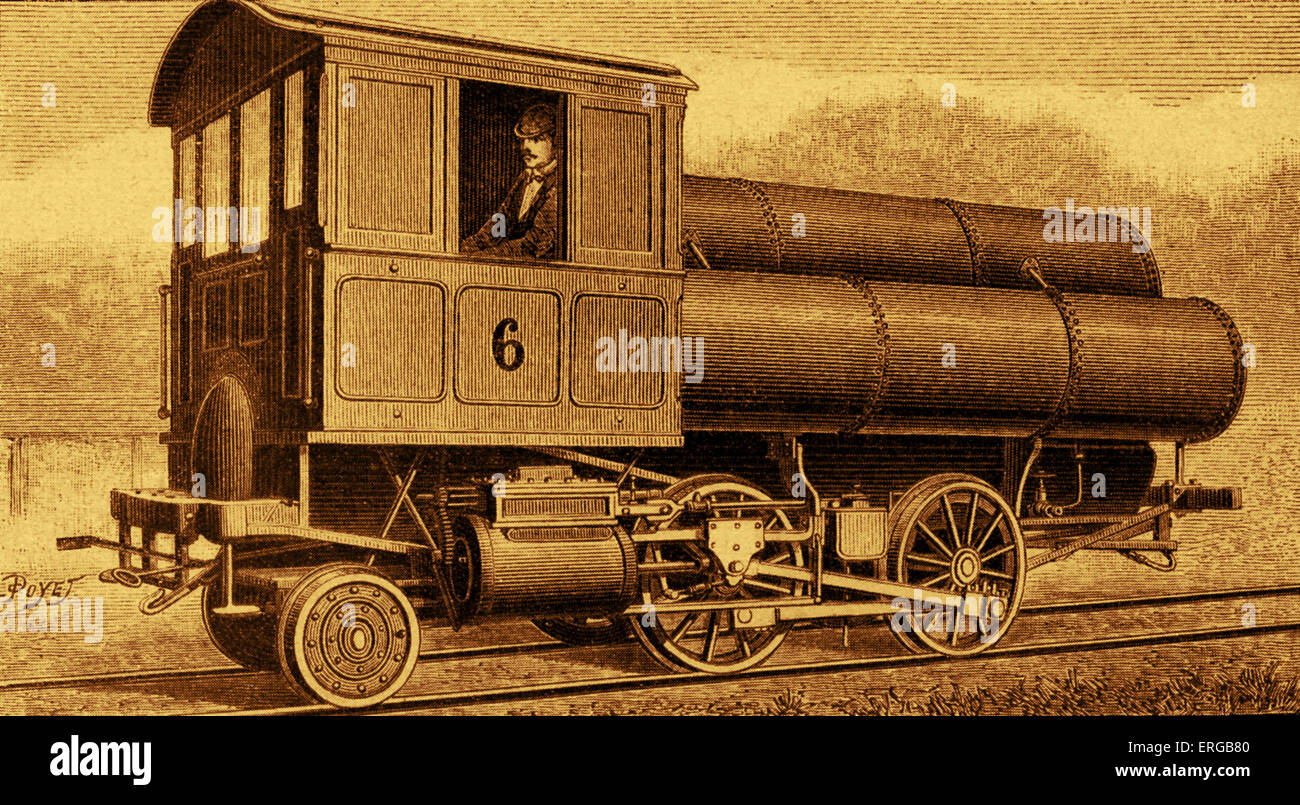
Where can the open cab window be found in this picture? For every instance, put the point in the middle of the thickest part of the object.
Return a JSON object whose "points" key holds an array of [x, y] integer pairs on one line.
{"points": [[512, 172]]}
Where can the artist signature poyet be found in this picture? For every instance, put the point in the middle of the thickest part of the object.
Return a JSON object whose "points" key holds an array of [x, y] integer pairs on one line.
{"points": [[52, 590]]}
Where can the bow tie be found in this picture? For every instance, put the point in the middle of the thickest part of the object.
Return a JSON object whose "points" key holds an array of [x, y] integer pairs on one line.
{"points": [[536, 175]]}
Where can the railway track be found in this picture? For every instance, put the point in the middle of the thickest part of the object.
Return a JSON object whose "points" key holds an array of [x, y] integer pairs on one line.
{"points": [[664, 680], [667, 679]]}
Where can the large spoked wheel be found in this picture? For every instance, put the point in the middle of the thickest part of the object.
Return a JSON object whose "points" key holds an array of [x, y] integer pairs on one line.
{"points": [[583, 631], [347, 636], [248, 640], [954, 534], [713, 640]]}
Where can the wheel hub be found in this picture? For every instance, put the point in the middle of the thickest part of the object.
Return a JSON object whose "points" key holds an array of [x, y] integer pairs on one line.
{"points": [[965, 566], [355, 638]]}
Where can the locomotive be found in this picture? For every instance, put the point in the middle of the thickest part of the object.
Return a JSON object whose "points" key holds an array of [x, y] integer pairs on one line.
{"points": [[904, 406]]}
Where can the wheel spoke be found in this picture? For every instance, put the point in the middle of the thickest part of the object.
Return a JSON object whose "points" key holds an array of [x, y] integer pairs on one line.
{"points": [[988, 532], [933, 579], [687, 623], [711, 638], [997, 553], [997, 574], [970, 519], [925, 560], [927, 619], [744, 644], [952, 521], [933, 540]]}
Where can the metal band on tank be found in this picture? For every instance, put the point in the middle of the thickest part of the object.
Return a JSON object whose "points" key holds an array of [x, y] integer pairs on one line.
{"points": [[769, 214], [882, 342], [979, 276], [630, 577], [1229, 411], [1030, 267], [1152, 270]]}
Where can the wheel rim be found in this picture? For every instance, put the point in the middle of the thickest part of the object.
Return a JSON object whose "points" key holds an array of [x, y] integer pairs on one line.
{"points": [[350, 638], [959, 537], [714, 641]]}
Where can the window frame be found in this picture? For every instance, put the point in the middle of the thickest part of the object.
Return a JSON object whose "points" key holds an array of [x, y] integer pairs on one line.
{"points": [[563, 244], [267, 210], [284, 106], [311, 65], [592, 255], [232, 184], [259, 277]]}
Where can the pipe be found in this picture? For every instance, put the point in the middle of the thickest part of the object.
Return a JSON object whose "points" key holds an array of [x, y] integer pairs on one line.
{"points": [[1024, 476]]}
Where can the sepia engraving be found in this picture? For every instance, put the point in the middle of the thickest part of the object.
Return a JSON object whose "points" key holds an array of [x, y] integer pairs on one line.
{"points": [[413, 370]]}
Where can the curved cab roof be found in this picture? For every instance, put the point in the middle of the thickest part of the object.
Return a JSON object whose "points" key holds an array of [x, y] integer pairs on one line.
{"points": [[332, 27]]}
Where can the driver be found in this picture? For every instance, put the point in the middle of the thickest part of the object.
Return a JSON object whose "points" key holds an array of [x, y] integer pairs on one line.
{"points": [[527, 222]]}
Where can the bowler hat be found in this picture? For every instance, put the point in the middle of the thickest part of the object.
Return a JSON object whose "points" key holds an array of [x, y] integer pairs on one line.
{"points": [[537, 120]]}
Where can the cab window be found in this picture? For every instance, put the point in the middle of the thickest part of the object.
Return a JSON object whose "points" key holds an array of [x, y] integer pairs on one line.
{"points": [[216, 186], [293, 140], [254, 168], [511, 172]]}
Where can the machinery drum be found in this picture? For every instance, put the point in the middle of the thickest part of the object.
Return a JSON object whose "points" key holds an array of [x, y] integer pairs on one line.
{"points": [[820, 353], [743, 225], [543, 570]]}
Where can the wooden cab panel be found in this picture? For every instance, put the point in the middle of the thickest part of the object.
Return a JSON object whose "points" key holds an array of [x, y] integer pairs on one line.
{"points": [[606, 329], [390, 339], [428, 350], [617, 183], [507, 345], [389, 175]]}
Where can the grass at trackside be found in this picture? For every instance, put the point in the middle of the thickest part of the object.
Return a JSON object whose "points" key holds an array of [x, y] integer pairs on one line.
{"points": [[1255, 689], [1252, 690]]}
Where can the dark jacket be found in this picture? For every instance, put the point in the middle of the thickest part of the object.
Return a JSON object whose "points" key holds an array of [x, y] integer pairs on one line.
{"points": [[532, 234]]}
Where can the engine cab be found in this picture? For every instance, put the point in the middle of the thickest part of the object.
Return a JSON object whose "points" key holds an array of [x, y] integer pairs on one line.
{"points": [[328, 171]]}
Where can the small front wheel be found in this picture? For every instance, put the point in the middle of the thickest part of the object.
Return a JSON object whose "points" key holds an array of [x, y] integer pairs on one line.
{"points": [[348, 636], [956, 538]]}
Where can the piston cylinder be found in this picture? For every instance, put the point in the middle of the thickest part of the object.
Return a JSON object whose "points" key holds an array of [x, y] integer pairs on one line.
{"points": [[542, 570]]}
